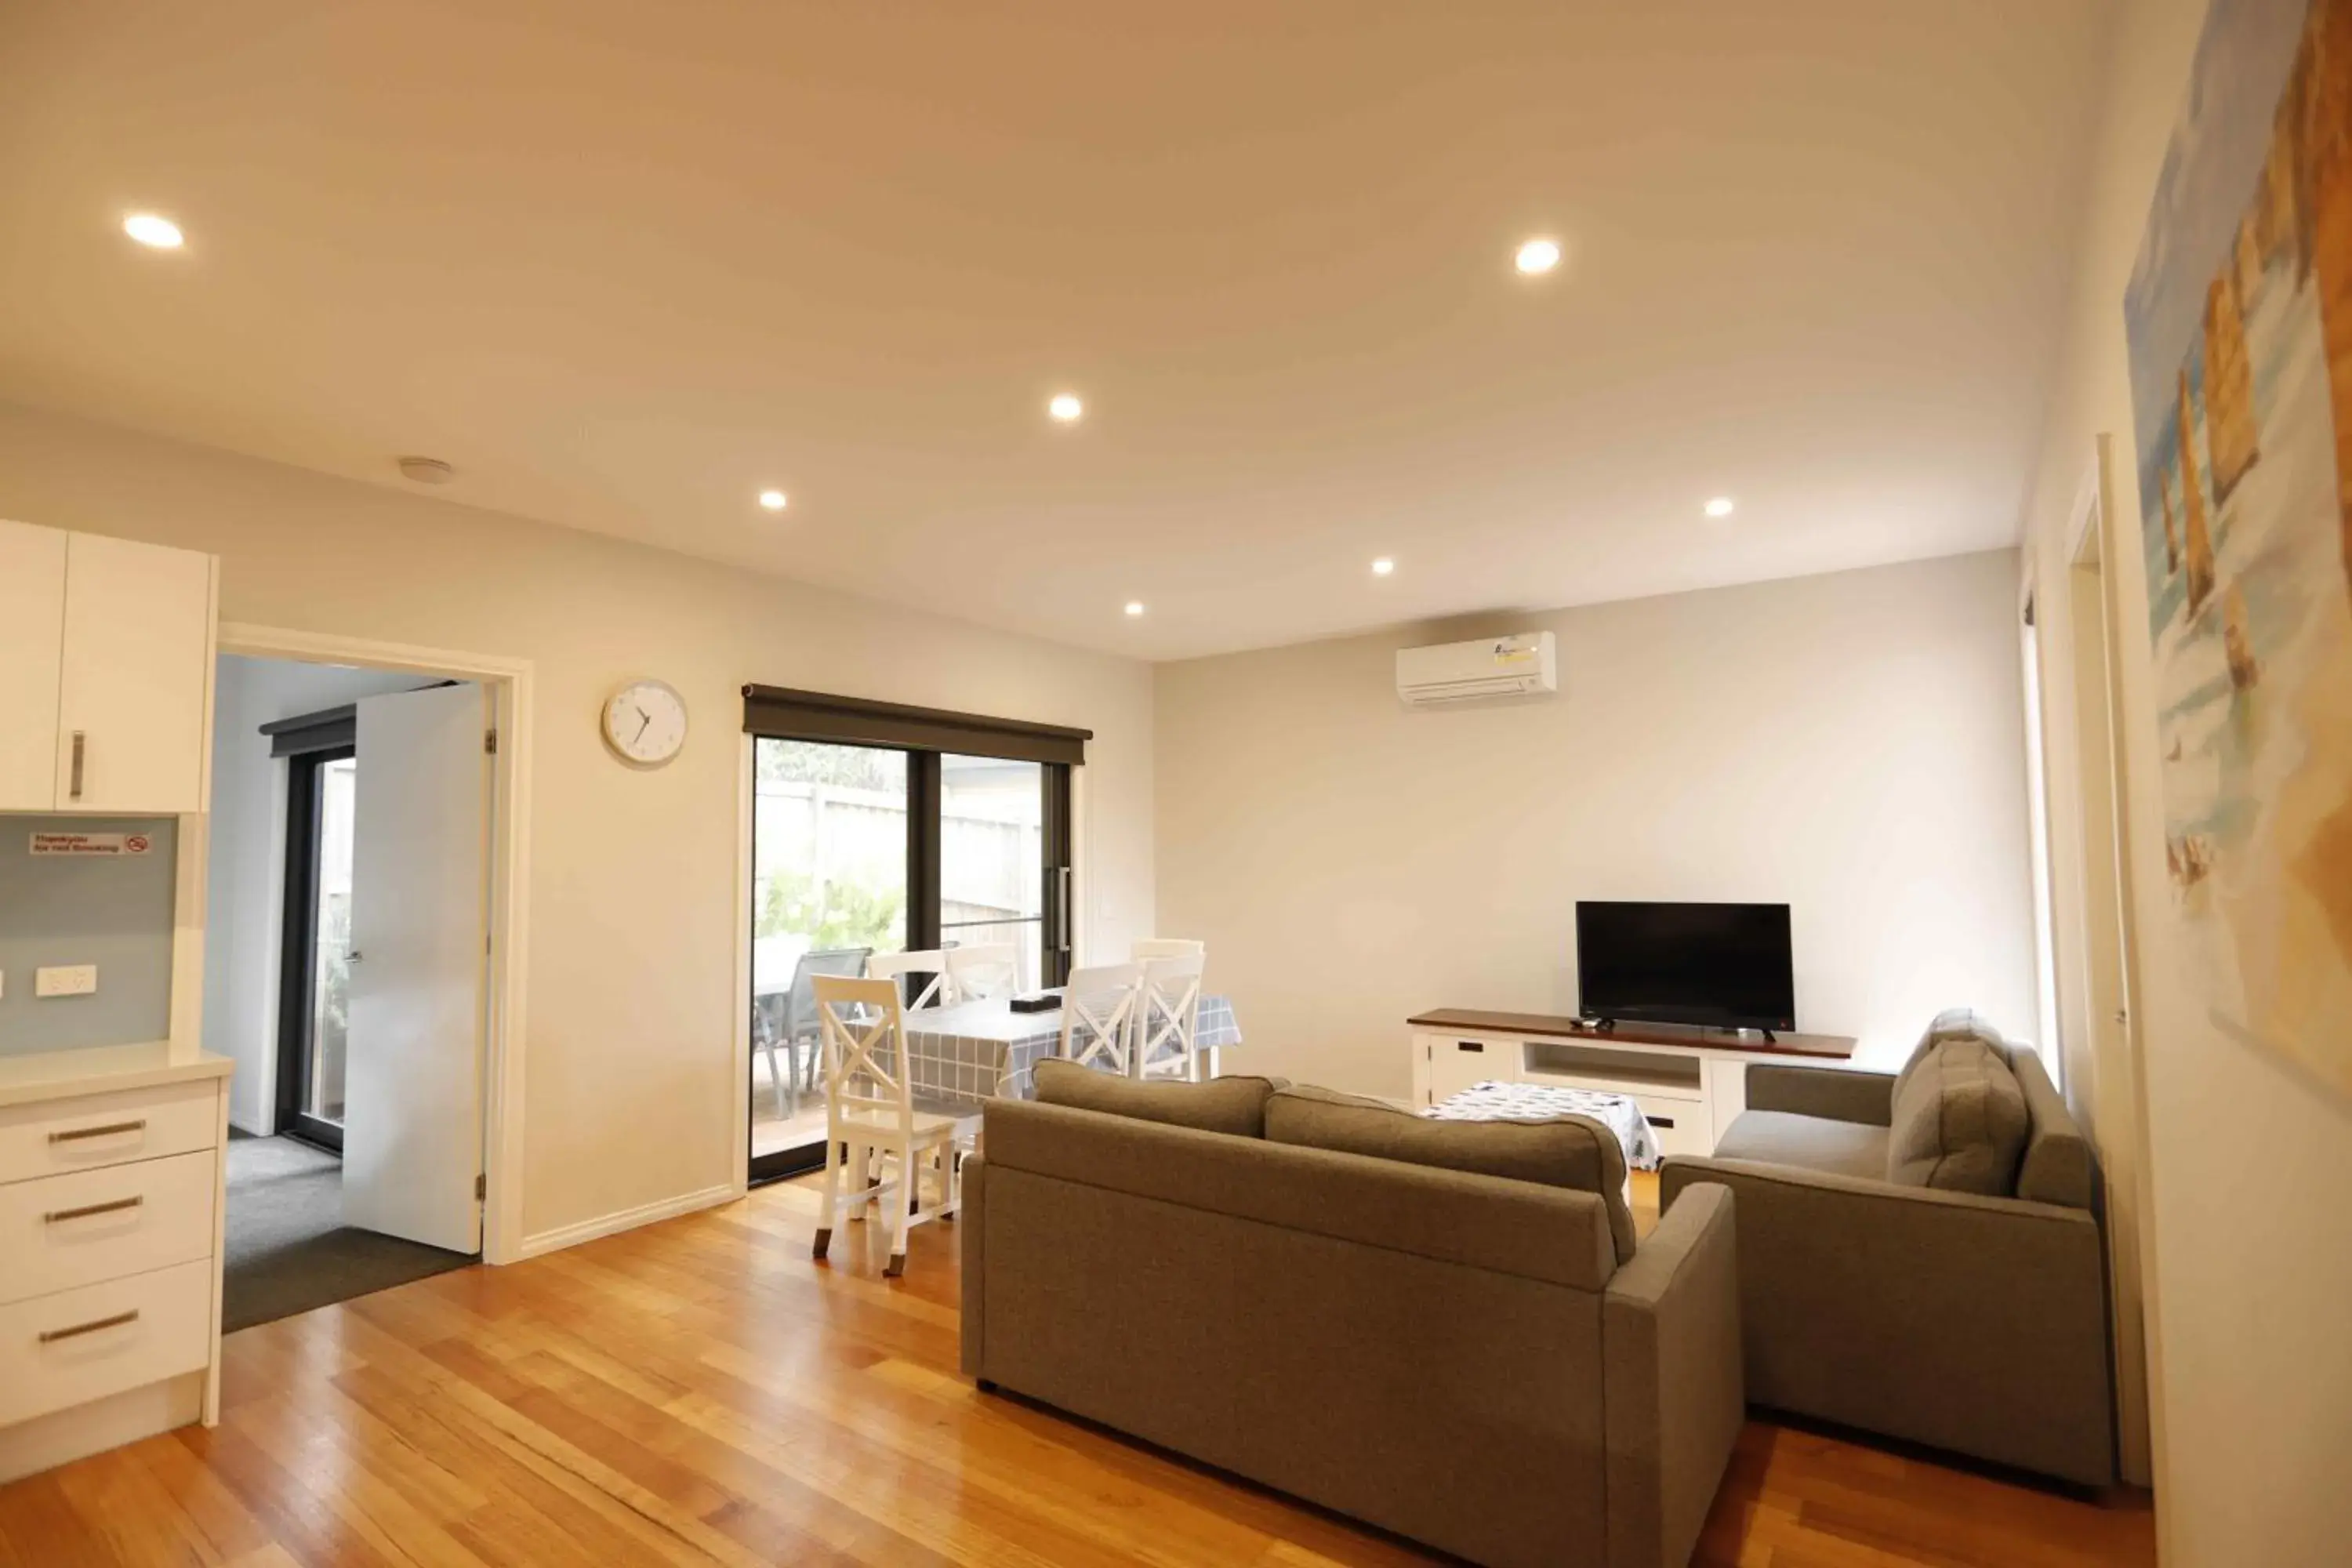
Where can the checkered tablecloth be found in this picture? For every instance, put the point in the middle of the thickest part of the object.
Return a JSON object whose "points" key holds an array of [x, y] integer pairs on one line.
{"points": [[964, 1054], [1537, 1101]]}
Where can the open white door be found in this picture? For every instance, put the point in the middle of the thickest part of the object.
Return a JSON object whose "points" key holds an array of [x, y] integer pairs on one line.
{"points": [[420, 879]]}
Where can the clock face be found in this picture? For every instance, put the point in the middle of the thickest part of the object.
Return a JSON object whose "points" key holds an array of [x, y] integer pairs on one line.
{"points": [[645, 721]]}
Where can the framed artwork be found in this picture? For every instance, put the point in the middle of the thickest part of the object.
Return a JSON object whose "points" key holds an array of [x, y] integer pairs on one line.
{"points": [[2240, 319]]}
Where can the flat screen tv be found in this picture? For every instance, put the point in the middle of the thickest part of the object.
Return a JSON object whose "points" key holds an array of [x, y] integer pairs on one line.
{"points": [[1723, 966]]}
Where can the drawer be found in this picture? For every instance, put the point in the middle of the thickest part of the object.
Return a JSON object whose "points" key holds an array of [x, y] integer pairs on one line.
{"points": [[60, 1232], [54, 1136], [103, 1339]]}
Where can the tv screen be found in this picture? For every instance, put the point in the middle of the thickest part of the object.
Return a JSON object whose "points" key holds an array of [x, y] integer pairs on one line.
{"points": [[1722, 965]]}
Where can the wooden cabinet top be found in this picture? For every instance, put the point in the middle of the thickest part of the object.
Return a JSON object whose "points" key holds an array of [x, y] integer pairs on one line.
{"points": [[1548, 1026]]}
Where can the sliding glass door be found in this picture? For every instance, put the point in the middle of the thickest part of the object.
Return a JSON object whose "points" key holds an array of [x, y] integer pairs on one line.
{"points": [[991, 859], [884, 829], [315, 960], [829, 885]]}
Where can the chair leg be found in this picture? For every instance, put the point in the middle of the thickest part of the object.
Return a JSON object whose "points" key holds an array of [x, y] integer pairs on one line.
{"points": [[775, 1083], [833, 1163], [910, 1181]]}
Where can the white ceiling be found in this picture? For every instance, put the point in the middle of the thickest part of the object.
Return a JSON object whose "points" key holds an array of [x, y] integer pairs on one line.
{"points": [[624, 264]]}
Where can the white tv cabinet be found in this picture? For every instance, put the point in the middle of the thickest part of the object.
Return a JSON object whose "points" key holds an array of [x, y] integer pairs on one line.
{"points": [[1690, 1083]]}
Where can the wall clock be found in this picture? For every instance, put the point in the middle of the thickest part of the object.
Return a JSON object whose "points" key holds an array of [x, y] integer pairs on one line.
{"points": [[644, 722]]}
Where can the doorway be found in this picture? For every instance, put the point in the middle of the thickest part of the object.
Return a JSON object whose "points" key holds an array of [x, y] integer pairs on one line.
{"points": [[348, 919]]}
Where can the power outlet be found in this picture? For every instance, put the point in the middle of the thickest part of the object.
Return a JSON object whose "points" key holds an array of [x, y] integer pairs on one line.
{"points": [[66, 980]]}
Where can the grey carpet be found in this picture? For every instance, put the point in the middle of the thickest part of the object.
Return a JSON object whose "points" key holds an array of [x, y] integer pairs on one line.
{"points": [[288, 1249]]}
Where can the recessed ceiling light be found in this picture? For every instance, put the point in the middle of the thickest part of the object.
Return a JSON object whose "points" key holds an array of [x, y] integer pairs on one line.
{"points": [[1135, 606], [1719, 506], [1066, 407], [1539, 256], [159, 232], [426, 470], [1384, 566], [773, 500]]}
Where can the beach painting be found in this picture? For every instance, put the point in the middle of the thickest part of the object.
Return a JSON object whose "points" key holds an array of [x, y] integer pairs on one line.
{"points": [[2239, 319]]}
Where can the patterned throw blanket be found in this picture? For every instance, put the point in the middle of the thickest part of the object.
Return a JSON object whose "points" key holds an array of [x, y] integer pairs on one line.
{"points": [[1537, 1102]]}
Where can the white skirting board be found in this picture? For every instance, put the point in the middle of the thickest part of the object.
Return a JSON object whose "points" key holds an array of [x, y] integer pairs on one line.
{"points": [[565, 1236]]}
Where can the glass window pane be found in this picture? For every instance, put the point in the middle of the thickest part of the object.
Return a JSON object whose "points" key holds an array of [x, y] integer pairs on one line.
{"points": [[828, 872], [991, 856], [331, 986]]}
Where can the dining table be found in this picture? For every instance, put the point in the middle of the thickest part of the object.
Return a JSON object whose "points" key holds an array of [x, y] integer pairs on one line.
{"points": [[966, 1053]]}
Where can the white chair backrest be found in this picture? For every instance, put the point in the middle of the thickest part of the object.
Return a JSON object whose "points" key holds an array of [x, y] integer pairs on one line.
{"points": [[984, 971], [1098, 1015], [865, 1040], [1152, 947], [896, 966], [1167, 1017]]}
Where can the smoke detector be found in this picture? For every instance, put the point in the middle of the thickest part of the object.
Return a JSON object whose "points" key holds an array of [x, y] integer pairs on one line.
{"points": [[426, 470]]}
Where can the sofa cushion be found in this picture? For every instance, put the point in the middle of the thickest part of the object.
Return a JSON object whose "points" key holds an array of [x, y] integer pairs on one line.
{"points": [[1809, 1143], [1233, 1105], [1951, 1023], [1573, 1152], [1959, 1122]]}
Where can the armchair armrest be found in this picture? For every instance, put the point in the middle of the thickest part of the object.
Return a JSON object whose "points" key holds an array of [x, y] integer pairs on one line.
{"points": [[1672, 1391], [1833, 1094], [1966, 1322]]}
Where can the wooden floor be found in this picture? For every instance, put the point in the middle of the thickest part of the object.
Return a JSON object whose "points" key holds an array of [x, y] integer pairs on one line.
{"points": [[700, 1392]]}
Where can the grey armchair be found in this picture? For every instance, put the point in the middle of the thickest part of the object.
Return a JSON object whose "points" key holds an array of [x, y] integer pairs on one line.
{"points": [[1968, 1322]]}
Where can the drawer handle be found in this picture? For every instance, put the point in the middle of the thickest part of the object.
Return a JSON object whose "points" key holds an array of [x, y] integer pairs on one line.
{"points": [[109, 1131], [1469, 1045], [1659, 1120], [56, 1216], [51, 1336], [79, 739]]}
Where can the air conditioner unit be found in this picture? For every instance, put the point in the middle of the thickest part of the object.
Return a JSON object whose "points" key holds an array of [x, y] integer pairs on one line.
{"points": [[1527, 665]]}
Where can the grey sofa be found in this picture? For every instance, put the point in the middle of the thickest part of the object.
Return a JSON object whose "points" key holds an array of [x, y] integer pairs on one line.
{"points": [[1973, 1322], [1459, 1358]]}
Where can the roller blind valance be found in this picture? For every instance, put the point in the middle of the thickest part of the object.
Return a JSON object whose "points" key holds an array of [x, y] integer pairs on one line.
{"points": [[330, 730], [781, 712]]}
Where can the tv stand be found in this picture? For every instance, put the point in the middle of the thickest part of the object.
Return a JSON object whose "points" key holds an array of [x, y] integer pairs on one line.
{"points": [[1689, 1081]]}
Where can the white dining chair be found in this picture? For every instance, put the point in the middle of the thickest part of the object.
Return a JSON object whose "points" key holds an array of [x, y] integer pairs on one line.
{"points": [[1152, 947], [1099, 1016], [1167, 1018], [876, 1133], [983, 971], [897, 966]]}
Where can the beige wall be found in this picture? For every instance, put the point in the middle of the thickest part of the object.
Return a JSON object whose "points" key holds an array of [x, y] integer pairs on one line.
{"points": [[2251, 1165], [1849, 744], [630, 1096]]}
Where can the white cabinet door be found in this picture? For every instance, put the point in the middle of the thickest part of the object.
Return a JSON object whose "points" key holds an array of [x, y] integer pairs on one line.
{"points": [[32, 636], [1457, 1063], [134, 723]]}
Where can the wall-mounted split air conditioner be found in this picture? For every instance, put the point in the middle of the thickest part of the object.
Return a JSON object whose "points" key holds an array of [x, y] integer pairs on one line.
{"points": [[1525, 665]]}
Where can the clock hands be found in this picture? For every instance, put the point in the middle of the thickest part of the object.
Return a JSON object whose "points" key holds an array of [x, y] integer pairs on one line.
{"points": [[644, 722]]}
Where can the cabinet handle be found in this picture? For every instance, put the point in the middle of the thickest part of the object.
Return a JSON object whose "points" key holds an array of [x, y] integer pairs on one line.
{"points": [[80, 738], [51, 1336], [57, 1216], [109, 1131], [1470, 1044]]}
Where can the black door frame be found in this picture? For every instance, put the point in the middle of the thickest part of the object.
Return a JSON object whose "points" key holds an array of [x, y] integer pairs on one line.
{"points": [[298, 948]]}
